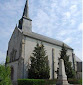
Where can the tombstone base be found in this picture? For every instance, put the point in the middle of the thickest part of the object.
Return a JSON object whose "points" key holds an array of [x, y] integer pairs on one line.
{"points": [[62, 81], [62, 78]]}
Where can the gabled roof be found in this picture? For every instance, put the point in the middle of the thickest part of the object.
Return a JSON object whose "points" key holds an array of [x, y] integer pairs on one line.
{"points": [[46, 39]]}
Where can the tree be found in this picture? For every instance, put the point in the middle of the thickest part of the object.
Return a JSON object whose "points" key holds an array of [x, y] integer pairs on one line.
{"points": [[5, 72], [7, 59], [39, 68], [69, 70]]}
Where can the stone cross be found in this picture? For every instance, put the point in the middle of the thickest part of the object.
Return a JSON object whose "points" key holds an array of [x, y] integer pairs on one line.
{"points": [[62, 78]]}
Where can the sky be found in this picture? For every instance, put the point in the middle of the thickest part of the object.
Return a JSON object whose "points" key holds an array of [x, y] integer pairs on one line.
{"points": [[58, 19]]}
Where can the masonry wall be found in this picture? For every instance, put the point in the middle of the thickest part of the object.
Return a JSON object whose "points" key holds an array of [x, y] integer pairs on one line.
{"points": [[14, 52], [14, 65], [15, 44], [30, 43]]}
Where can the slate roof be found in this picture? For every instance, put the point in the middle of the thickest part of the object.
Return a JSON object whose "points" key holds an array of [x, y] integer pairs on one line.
{"points": [[46, 39]]}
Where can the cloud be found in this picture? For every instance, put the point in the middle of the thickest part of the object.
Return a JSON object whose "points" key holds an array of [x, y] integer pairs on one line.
{"points": [[73, 21], [67, 14], [62, 33], [44, 22], [66, 32], [68, 40], [73, 8], [80, 27]]}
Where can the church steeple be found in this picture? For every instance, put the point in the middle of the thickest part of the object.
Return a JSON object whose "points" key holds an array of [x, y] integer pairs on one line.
{"points": [[25, 23], [26, 12]]}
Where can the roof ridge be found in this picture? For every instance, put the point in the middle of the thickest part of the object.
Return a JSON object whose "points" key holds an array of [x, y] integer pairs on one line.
{"points": [[46, 39]]}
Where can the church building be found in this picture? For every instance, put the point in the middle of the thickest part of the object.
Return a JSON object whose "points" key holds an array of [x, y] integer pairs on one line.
{"points": [[21, 46]]}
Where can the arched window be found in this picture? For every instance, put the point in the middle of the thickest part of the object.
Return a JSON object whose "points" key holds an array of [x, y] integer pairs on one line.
{"points": [[12, 73]]}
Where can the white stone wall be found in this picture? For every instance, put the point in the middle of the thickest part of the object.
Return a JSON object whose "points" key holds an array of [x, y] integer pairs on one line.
{"points": [[27, 25], [15, 43], [29, 47], [15, 67]]}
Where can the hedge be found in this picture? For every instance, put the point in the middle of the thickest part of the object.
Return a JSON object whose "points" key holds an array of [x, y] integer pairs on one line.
{"points": [[50, 81], [45, 81], [31, 82], [75, 81]]}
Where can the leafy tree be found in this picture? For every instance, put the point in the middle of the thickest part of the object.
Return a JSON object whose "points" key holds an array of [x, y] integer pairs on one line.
{"points": [[5, 75], [39, 68], [69, 70], [7, 59]]}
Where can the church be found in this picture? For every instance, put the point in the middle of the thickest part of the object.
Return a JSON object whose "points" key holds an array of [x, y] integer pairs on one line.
{"points": [[21, 46]]}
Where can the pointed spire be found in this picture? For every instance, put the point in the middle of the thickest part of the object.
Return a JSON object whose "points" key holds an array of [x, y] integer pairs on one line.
{"points": [[16, 26], [25, 13]]}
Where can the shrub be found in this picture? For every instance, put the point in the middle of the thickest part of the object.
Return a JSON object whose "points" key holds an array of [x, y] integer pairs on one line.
{"points": [[75, 81], [80, 80], [31, 82], [5, 72], [51, 81]]}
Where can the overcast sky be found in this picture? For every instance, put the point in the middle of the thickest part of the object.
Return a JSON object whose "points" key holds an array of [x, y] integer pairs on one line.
{"points": [[58, 19]]}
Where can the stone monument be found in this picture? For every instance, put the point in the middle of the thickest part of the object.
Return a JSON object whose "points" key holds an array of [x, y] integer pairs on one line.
{"points": [[62, 78]]}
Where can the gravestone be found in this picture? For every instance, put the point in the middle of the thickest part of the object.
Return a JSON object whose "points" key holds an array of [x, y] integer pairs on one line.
{"points": [[62, 77]]}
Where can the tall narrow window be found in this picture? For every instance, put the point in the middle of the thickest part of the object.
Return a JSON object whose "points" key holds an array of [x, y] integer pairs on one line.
{"points": [[12, 73], [52, 63]]}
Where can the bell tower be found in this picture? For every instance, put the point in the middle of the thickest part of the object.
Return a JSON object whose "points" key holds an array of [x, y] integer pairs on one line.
{"points": [[25, 23]]}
